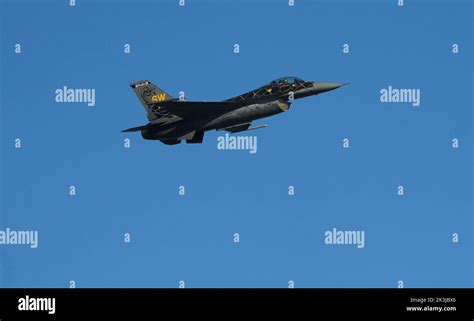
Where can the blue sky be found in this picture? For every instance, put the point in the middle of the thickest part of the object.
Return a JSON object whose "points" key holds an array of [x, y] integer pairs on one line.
{"points": [[190, 237]]}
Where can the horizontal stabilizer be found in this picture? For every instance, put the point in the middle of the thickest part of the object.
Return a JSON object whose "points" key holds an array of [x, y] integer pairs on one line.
{"points": [[134, 129]]}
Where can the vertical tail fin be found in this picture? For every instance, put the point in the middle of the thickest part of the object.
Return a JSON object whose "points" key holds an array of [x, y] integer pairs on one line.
{"points": [[150, 97]]}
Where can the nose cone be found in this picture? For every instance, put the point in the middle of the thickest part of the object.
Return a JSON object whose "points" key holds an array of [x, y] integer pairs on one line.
{"points": [[321, 87]]}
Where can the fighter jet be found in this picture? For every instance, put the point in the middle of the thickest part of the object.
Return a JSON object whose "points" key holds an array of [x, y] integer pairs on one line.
{"points": [[172, 120]]}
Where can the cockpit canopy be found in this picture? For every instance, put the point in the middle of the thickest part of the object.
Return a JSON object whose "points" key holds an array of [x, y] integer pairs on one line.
{"points": [[285, 80]]}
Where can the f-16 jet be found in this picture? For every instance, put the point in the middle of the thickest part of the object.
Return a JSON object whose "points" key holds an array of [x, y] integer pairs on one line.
{"points": [[172, 120]]}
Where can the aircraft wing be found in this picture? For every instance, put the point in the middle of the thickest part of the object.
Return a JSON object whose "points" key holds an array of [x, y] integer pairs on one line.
{"points": [[187, 109]]}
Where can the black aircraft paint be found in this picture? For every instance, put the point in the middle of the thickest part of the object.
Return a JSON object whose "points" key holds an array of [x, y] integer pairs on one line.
{"points": [[172, 120]]}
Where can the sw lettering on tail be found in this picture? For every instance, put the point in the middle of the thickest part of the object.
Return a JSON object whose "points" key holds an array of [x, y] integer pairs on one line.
{"points": [[150, 95]]}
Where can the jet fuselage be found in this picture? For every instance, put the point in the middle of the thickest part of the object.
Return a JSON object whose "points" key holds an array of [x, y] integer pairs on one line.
{"points": [[236, 114]]}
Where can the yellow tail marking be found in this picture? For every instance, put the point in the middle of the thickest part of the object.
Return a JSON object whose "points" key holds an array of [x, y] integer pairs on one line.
{"points": [[159, 97]]}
